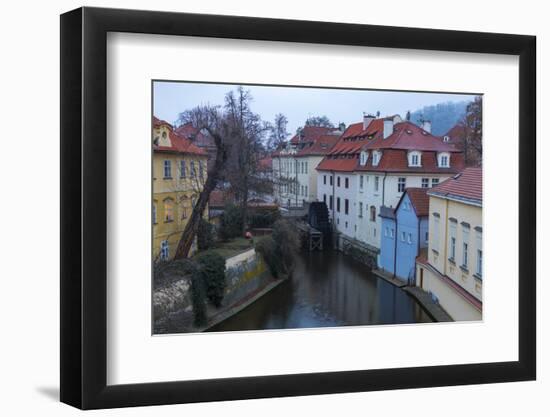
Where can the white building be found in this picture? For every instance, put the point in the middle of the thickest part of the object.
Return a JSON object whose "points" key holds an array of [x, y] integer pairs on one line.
{"points": [[372, 164], [294, 170]]}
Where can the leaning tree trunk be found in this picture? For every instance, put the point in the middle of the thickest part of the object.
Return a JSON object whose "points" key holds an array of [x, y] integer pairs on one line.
{"points": [[192, 226]]}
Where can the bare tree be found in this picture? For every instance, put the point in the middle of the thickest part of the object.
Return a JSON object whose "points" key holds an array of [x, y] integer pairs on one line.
{"points": [[277, 132], [249, 131], [472, 132], [213, 121]]}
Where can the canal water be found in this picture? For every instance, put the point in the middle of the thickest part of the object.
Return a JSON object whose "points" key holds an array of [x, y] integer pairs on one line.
{"points": [[328, 289]]}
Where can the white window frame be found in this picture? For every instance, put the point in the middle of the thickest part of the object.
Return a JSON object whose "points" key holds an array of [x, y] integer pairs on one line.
{"points": [[167, 168], [415, 159], [444, 159], [401, 184]]}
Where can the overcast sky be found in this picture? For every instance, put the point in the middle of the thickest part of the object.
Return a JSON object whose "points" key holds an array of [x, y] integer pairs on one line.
{"points": [[297, 104]]}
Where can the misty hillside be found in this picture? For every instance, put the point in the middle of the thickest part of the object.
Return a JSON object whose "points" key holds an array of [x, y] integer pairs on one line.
{"points": [[443, 115]]}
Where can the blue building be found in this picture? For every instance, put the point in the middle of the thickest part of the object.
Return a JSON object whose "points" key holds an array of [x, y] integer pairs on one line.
{"points": [[404, 233]]}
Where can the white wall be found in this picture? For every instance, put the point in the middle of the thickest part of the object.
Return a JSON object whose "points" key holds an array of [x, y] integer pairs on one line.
{"points": [[30, 305]]}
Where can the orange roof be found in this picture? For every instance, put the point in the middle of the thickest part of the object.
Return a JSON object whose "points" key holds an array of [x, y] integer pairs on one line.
{"points": [[466, 186], [420, 200], [321, 146], [179, 144], [310, 134]]}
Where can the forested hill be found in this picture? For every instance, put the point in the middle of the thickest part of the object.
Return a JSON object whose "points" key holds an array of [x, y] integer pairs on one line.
{"points": [[442, 115]]}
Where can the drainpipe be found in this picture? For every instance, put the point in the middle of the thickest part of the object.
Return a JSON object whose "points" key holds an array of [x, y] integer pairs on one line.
{"points": [[384, 189]]}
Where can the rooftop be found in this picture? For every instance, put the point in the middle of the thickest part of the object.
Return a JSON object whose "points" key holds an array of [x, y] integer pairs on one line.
{"points": [[467, 186]]}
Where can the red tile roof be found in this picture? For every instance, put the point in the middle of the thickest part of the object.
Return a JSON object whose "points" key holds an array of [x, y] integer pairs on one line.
{"points": [[195, 135], [466, 186], [406, 136], [338, 163], [419, 199], [310, 134], [321, 146], [179, 144], [355, 137]]}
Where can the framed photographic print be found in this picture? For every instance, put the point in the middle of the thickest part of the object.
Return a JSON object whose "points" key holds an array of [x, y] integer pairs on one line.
{"points": [[257, 208]]}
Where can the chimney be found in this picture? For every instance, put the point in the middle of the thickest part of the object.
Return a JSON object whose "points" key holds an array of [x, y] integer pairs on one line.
{"points": [[427, 126], [388, 127], [367, 118]]}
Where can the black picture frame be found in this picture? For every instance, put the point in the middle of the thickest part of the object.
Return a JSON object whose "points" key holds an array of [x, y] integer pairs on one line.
{"points": [[84, 207]]}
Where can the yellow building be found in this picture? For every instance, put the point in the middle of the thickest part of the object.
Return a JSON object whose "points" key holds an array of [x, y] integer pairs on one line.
{"points": [[179, 173], [452, 268]]}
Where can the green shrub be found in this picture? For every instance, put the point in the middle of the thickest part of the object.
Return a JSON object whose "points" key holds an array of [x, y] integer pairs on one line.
{"points": [[212, 271], [264, 218], [279, 249], [231, 222], [205, 235], [266, 248]]}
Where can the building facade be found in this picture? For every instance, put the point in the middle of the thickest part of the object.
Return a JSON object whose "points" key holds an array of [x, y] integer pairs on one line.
{"points": [[452, 267], [404, 233], [294, 170], [179, 172], [371, 166]]}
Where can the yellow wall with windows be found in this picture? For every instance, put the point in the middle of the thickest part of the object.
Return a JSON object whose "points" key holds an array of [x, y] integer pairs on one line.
{"points": [[448, 219], [174, 194]]}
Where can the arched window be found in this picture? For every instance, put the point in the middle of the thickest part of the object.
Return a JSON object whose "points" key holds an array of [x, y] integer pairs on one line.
{"points": [[168, 210], [415, 159]]}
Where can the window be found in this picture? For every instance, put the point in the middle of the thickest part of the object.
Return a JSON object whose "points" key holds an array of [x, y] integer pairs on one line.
{"points": [[443, 160], [465, 255], [325, 198], [331, 202], [453, 248], [346, 224], [403, 234], [372, 213], [363, 158], [415, 159], [435, 233], [306, 168], [331, 180], [361, 182], [479, 264], [154, 212], [425, 183], [410, 238], [324, 179], [305, 191], [182, 168], [168, 210], [386, 231], [338, 204], [376, 183], [374, 232], [338, 182], [360, 209], [346, 180], [164, 250], [435, 181], [167, 169], [401, 183], [193, 171], [346, 206], [376, 158], [427, 236]]}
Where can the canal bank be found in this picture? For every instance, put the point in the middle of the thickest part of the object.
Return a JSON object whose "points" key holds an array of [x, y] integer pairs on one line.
{"points": [[327, 289]]}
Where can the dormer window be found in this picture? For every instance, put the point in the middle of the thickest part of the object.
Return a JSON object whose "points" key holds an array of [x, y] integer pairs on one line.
{"points": [[443, 159], [363, 158], [415, 159], [376, 155], [446, 138]]}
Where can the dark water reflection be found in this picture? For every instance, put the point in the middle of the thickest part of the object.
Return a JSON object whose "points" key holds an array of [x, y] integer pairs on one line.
{"points": [[328, 289]]}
